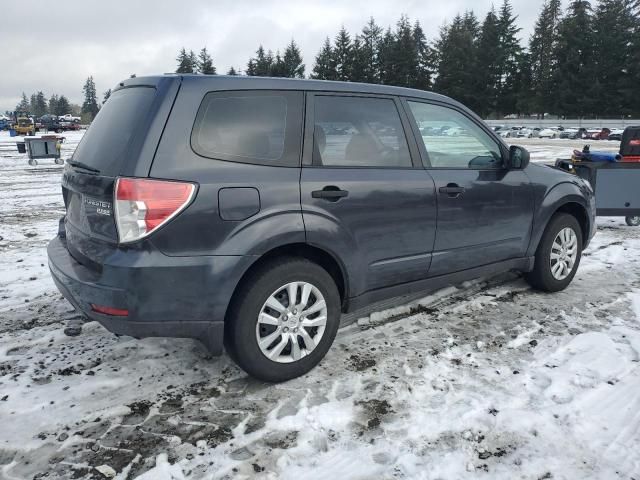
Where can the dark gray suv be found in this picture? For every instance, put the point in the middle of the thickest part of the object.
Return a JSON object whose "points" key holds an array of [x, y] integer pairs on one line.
{"points": [[254, 212]]}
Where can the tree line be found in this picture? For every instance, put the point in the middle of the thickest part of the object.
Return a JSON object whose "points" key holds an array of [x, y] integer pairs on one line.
{"points": [[38, 104], [581, 62]]}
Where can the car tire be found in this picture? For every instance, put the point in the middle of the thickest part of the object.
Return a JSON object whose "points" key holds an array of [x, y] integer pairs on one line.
{"points": [[562, 238], [256, 346], [632, 221]]}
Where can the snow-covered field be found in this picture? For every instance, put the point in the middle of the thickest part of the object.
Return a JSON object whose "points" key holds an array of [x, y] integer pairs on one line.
{"points": [[487, 380]]}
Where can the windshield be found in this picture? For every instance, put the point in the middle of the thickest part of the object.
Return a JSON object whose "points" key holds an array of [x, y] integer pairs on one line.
{"points": [[105, 145]]}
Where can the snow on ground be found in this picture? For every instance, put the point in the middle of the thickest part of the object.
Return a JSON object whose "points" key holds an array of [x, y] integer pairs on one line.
{"points": [[487, 380]]}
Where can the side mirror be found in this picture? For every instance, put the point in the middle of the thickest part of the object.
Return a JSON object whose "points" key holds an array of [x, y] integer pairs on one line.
{"points": [[518, 158]]}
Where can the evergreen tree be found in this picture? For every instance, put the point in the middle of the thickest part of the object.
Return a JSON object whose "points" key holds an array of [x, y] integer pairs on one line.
{"points": [[39, 107], [325, 68], [343, 55], [386, 58], [455, 53], [574, 78], [358, 61], [205, 63], [542, 49], [278, 68], [406, 54], [32, 103], [509, 58], [186, 62], [90, 104], [487, 65], [368, 52], [106, 96], [424, 60], [232, 71], [24, 104], [262, 64], [53, 104], [615, 25], [62, 106], [293, 66]]}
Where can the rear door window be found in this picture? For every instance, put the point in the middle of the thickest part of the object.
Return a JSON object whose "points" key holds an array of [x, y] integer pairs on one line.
{"points": [[262, 127], [105, 145], [358, 132]]}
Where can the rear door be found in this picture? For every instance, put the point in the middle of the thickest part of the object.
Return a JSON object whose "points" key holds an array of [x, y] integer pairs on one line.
{"points": [[485, 211], [120, 141], [364, 195]]}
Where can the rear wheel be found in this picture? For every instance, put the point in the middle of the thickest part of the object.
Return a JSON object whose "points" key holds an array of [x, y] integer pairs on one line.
{"points": [[558, 254], [284, 320], [632, 221]]}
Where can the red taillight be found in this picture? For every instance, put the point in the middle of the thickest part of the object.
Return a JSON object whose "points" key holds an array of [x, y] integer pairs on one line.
{"points": [[114, 312], [142, 205]]}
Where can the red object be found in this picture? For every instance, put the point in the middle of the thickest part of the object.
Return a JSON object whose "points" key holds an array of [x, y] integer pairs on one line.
{"points": [[114, 312], [631, 158], [635, 142], [143, 205]]}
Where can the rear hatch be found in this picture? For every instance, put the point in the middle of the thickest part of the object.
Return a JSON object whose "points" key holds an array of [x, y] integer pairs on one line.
{"points": [[121, 141]]}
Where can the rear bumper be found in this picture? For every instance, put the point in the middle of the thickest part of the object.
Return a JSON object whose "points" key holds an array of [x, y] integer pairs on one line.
{"points": [[165, 296]]}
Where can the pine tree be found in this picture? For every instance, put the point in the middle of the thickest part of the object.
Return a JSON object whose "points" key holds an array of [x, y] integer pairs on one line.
{"points": [[324, 68], [90, 104], [424, 60], [32, 103], [455, 53], [487, 65], [53, 104], [40, 105], [510, 51], [615, 23], [406, 55], [106, 96], [278, 68], [359, 61], [205, 63], [368, 52], [186, 62], [24, 104], [262, 64], [573, 78], [386, 57], [232, 71], [63, 106], [542, 48], [293, 66], [343, 55]]}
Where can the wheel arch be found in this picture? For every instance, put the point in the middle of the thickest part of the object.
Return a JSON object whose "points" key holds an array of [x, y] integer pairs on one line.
{"points": [[563, 198], [320, 256]]}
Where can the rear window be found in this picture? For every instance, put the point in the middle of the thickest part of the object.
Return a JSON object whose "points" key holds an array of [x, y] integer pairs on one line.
{"points": [[262, 127], [105, 145]]}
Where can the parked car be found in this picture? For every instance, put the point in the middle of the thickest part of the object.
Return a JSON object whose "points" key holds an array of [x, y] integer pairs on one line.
{"points": [[600, 134], [526, 133], [224, 219], [549, 133], [573, 133], [68, 118], [616, 134]]}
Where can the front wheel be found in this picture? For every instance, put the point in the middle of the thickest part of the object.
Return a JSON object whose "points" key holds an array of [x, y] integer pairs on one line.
{"points": [[558, 254], [284, 320], [632, 221]]}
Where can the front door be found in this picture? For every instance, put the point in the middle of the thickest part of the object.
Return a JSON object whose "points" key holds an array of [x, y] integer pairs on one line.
{"points": [[485, 211], [364, 195]]}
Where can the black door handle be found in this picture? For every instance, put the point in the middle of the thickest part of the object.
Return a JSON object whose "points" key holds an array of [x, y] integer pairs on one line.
{"points": [[330, 193], [452, 190]]}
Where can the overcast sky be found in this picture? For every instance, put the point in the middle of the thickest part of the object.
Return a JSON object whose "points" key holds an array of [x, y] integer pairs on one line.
{"points": [[54, 46]]}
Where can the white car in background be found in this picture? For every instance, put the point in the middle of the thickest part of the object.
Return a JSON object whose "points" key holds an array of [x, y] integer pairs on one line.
{"points": [[549, 133], [529, 132]]}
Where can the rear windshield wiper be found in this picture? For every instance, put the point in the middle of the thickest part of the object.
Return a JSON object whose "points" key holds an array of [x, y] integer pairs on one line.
{"points": [[84, 166]]}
